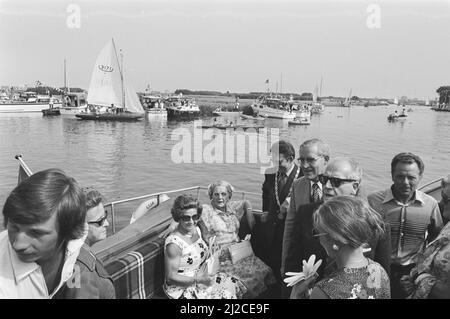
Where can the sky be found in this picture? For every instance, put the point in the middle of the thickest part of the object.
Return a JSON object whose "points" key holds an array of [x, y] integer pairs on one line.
{"points": [[374, 48]]}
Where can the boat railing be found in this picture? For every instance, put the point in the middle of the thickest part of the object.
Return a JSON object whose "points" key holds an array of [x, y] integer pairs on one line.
{"points": [[431, 187], [113, 205]]}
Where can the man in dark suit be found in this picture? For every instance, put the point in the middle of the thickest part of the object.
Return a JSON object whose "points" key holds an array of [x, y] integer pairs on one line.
{"points": [[268, 234], [342, 176], [314, 155]]}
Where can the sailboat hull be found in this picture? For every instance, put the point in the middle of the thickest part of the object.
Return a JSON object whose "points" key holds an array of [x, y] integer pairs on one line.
{"points": [[125, 117]]}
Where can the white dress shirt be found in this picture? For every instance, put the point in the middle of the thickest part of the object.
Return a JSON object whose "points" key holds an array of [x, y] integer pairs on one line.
{"points": [[21, 280]]}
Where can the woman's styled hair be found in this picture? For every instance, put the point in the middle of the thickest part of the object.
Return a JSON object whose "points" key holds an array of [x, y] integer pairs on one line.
{"points": [[212, 186], [348, 220], [93, 197], [183, 203], [43, 194]]}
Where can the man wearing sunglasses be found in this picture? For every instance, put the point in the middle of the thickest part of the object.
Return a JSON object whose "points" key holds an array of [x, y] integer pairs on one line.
{"points": [[96, 216], [43, 253], [342, 176], [314, 155]]}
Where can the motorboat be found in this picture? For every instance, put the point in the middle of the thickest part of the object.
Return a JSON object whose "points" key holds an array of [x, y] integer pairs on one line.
{"points": [[300, 121], [252, 117], [32, 104], [178, 107], [73, 103], [134, 254], [273, 107]]}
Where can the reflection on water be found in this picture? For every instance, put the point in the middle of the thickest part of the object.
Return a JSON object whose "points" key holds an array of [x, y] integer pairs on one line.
{"points": [[129, 159]]}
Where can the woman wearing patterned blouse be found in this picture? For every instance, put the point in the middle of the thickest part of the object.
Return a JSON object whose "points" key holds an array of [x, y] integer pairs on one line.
{"points": [[185, 254], [344, 224], [224, 218]]}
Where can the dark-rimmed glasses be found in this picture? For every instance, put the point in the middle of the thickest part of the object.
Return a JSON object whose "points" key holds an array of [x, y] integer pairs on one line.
{"points": [[335, 181], [186, 218], [100, 222]]}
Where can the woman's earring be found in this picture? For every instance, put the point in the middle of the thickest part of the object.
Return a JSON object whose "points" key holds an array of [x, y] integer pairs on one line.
{"points": [[335, 247]]}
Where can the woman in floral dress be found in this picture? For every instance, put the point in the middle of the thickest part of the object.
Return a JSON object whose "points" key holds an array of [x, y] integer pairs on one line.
{"points": [[430, 278], [185, 253], [344, 224], [223, 219]]}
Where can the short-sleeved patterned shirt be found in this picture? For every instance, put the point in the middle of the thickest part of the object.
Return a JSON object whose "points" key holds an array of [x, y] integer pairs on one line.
{"points": [[369, 282], [224, 225]]}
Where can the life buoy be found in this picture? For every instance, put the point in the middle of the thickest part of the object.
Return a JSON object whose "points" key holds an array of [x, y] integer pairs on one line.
{"points": [[147, 206]]}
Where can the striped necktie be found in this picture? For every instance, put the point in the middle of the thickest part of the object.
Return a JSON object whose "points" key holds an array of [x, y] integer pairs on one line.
{"points": [[316, 193]]}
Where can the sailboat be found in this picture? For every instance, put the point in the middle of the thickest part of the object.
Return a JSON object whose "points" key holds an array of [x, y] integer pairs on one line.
{"points": [[348, 99], [72, 102], [317, 107], [110, 97]]}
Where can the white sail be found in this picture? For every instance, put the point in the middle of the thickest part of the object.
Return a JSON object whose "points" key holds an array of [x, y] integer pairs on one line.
{"points": [[315, 94], [106, 84], [106, 87], [132, 103], [396, 101]]}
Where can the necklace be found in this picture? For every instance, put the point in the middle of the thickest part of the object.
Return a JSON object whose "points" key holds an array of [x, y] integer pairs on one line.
{"points": [[276, 186]]}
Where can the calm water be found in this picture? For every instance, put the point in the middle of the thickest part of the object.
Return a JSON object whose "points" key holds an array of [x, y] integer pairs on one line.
{"points": [[130, 159]]}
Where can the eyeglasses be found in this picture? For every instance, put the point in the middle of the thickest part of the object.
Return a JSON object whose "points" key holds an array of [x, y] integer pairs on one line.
{"points": [[335, 181], [100, 222], [186, 218], [309, 160]]}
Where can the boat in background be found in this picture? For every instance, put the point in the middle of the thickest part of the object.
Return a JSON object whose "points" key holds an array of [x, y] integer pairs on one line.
{"points": [[181, 108], [33, 104], [251, 117], [273, 107], [110, 97], [300, 121], [153, 104], [73, 103]]}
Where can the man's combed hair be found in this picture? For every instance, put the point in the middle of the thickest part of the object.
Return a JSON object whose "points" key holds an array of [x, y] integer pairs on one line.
{"points": [[408, 158], [322, 147], [43, 194], [285, 148], [93, 197]]}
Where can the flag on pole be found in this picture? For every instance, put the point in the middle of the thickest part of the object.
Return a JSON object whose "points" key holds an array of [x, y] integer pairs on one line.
{"points": [[24, 171]]}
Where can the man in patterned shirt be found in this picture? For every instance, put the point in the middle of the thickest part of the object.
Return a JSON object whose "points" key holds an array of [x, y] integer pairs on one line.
{"points": [[413, 215]]}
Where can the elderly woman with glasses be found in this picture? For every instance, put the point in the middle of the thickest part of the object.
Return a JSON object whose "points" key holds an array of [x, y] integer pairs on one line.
{"points": [[185, 253], [229, 221], [344, 224]]}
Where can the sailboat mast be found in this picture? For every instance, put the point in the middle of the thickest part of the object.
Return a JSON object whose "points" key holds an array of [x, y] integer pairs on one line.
{"points": [[120, 63], [320, 93], [65, 79], [281, 84], [121, 73]]}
